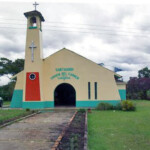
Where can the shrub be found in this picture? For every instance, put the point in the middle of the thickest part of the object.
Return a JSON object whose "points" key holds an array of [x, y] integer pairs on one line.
{"points": [[118, 106], [27, 109], [148, 94], [104, 106], [124, 105], [81, 110], [128, 106]]}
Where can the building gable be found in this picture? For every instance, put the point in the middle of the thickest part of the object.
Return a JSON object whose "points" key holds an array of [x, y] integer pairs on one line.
{"points": [[69, 57]]}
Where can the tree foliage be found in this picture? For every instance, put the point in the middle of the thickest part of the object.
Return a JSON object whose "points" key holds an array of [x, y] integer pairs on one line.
{"points": [[9, 67], [144, 73], [6, 91], [139, 87]]}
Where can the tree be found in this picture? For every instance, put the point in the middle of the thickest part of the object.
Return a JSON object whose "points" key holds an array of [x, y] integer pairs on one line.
{"points": [[139, 87], [144, 73], [9, 67], [6, 91]]}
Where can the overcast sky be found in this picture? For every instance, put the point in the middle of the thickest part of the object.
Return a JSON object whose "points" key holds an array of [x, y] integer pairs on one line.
{"points": [[114, 34]]}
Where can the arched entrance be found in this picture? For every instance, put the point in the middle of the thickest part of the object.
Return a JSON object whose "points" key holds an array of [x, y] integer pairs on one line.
{"points": [[64, 95]]}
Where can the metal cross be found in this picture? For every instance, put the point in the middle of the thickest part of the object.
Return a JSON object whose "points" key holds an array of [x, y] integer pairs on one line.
{"points": [[35, 5], [32, 46]]}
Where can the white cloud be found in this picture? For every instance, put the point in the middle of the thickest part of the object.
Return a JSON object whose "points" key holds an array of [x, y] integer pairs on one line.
{"points": [[117, 35], [126, 76], [4, 80]]}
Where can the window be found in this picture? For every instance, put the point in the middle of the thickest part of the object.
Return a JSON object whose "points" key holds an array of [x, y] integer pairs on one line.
{"points": [[95, 86], [89, 90], [32, 76]]}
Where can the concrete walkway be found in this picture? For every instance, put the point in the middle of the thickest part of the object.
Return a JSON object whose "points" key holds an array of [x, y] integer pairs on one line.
{"points": [[35, 133]]}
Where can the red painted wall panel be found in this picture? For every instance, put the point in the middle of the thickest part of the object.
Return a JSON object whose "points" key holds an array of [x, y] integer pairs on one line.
{"points": [[32, 87]]}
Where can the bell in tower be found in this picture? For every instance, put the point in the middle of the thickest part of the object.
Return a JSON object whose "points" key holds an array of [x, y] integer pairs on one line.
{"points": [[33, 22], [34, 19]]}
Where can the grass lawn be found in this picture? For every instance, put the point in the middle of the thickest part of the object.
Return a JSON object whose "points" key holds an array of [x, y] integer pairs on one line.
{"points": [[6, 103], [6, 115], [119, 130]]}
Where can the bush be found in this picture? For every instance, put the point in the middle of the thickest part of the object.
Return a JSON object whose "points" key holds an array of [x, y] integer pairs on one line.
{"points": [[81, 110], [128, 106], [124, 105], [104, 106], [118, 106], [27, 109], [148, 94]]}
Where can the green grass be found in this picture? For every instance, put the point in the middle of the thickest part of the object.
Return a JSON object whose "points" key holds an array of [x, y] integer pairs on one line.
{"points": [[6, 115], [119, 130], [6, 103]]}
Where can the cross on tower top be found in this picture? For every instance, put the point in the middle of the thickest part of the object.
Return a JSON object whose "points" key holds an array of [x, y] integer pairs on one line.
{"points": [[35, 5]]}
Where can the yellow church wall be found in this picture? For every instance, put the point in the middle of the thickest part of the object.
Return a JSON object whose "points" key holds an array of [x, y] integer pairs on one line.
{"points": [[86, 70], [121, 86], [19, 82]]}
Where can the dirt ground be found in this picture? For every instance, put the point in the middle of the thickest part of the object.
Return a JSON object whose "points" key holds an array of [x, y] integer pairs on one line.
{"points": [[35, 133], [74, 136]]}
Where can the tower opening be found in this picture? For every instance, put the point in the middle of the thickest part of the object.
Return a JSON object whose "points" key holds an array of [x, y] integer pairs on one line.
{"points": [[64, 95], [33, 22]]}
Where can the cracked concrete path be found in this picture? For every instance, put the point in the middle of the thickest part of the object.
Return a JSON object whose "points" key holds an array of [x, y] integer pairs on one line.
{"points": [[38, 132]]}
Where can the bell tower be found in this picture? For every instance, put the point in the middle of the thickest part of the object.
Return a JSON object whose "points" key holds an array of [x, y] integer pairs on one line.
{"points": [[32, 90]]}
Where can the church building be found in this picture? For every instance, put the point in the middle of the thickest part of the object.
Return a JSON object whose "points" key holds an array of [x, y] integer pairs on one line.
{"points": [[65, 78]]}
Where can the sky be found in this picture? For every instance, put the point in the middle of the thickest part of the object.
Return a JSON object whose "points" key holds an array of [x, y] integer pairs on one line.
{"points": [[113, 33]]}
